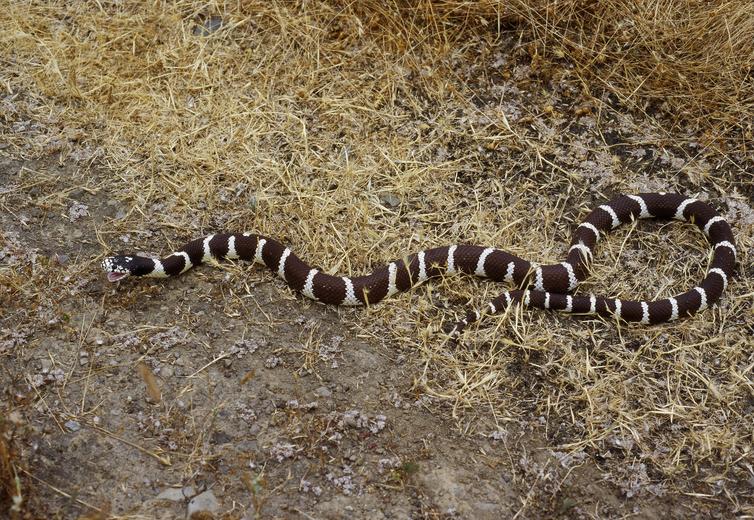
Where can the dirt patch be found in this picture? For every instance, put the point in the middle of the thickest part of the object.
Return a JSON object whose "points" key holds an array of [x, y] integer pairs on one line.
{"points": [[221, 391]]}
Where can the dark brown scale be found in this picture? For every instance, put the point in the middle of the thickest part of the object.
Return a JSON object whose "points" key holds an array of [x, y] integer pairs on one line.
{"points": [[606, 307], [555, 278], [537, 299], [580, 264], [713, 286], [413, 268], [435, 261], [660, 311], [195, 251], [600, 219], [702, 213], [625, 208], [602, 307], [246, 247], [218, 245], [271, 254], [634, 208], [579, 304], [496, 265], [724, 260], [558, 302], [720, 231], [373, 288], [174, 264], [663, 206], [688, 301], [296, 272], [631, 310], [403, 277], [584, 235], [466, 258], [329, 289]]}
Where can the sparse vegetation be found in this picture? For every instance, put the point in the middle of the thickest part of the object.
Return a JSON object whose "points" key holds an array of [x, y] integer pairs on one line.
{"points": [[356, 133]]}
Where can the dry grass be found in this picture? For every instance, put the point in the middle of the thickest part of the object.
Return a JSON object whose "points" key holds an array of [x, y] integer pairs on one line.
{"points": [[11, 495], [690, 60], [357, 134]]}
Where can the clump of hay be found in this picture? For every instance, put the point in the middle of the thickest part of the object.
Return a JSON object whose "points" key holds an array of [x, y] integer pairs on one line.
{"points": [[690, 60]]}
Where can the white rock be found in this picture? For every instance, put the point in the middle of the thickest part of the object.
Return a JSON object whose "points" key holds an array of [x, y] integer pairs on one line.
{"points": [[176, 494], [204, 502]]}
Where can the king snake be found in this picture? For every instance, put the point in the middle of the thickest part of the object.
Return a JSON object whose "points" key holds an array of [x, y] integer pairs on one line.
{"points": [[540, 286]]}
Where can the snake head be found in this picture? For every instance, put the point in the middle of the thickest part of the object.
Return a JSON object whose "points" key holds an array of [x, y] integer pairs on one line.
{"points": [[121, 266]]}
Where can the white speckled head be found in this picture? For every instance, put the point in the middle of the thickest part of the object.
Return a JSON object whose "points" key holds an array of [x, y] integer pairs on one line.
{"points": [[116, 267]]}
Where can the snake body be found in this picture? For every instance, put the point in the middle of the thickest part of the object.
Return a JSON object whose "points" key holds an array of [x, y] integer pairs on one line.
{"points": [[539, 286]]}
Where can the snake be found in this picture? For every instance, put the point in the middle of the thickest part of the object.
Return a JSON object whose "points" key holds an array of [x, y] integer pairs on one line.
{"points": [[535, 286]]}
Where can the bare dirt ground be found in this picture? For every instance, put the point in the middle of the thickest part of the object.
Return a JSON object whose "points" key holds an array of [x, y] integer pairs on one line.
{"points": [[223, 392]]}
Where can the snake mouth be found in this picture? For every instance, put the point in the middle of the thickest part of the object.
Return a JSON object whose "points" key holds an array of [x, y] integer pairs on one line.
{"points": [[114, 277]]}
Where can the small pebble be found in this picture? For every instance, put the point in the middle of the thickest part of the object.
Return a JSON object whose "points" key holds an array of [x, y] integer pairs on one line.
{"points": [[72, 425], [203, 503], [210, 25], [176, 494], [390, 200], [77, 211], [272, 362], [323, 391]]}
